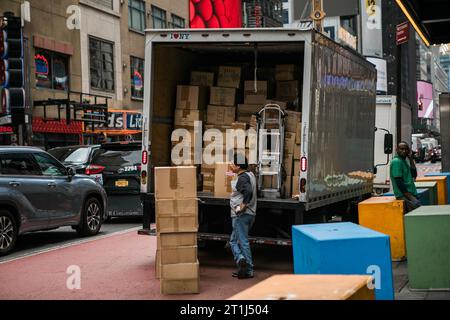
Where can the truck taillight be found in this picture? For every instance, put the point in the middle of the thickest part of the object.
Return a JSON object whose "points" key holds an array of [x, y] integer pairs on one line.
{"points": [[144, 157], [144, 177], [303, 164], [94, 169], [303, 185]]}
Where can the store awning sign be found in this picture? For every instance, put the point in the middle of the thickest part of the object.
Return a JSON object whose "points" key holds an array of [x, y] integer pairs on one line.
{"points": [[134, 121]]}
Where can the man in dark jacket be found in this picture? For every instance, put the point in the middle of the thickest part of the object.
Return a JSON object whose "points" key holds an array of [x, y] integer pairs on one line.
{"points": [[243, 212], [403, 172]]}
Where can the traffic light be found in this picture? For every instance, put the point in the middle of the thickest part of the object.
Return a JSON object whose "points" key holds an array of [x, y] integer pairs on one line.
{"points": [[12, 81]]}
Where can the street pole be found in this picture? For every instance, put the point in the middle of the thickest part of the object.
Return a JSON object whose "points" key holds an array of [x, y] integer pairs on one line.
{"points": [[399, 93]]}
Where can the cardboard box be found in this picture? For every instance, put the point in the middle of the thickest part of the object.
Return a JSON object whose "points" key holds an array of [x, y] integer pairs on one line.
{"points": [[287, 90], [289, 142], [239, 126], [245, 112], [229, 77], [192, 97], [261, 87], [297, 150], [288, 164], [177, 223], [175, 182], [270, 182], [180, 271], [255, 97], [187, 117], [298, 133], [296, 167], [175, 255], [221, 128], [292, 120], [282, 104], [253, 122], [158, 264], [177, 215], [221, 115], [285, 72], [205, 79], [189, 286], [221, 96], [259, 99], [252, 142], [167, 240], [288, 187], [223, 178], [295, 185]]}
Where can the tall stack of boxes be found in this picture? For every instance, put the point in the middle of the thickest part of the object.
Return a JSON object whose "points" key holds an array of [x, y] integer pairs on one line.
{"points": [[222, 111], [191, 102], [221, 115], [177, 225]]}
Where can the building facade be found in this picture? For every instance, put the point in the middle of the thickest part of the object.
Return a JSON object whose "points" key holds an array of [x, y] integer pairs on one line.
{"points": [[91, 53]]}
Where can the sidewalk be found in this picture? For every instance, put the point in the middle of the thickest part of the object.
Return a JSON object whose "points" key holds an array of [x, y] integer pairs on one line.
{"points": [[117, 267]]}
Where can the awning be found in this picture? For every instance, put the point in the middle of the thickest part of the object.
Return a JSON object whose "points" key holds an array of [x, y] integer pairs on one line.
{"points": [[55, 126], [430, 19]]}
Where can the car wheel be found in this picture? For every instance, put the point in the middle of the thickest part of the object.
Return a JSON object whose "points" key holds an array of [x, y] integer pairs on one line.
{"points": [[8, 232], [91, 219]]}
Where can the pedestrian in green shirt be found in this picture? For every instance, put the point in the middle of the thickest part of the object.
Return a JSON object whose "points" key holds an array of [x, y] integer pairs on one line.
{"points": [[403, 171]]}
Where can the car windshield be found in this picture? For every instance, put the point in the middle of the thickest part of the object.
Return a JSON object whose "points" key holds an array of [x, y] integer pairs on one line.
{"points": [[126, 159], [71, 155]]}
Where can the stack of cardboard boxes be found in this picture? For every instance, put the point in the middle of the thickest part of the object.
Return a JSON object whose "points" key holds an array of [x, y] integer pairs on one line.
{"points": [[221, 113], [177, 225], [191, 103]]}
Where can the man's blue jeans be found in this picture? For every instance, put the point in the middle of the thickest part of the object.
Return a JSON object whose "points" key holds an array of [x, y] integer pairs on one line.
{"points": [[239, 243]]}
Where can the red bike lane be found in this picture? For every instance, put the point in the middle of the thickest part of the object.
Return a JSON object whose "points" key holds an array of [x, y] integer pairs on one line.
{"points": [[116, 267]]}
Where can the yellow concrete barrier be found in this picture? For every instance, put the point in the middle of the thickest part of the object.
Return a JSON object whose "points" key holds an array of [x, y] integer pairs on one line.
{"points": [[441, 187], [385, 215]]}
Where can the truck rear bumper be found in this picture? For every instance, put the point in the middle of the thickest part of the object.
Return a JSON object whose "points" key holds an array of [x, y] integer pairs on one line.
{"points": [[128, 205]]}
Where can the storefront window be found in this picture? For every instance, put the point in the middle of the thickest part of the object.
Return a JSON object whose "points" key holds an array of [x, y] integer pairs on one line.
{"points": [[51, 70], [137, 78]]}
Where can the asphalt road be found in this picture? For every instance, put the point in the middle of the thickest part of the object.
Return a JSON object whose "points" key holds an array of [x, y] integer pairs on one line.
{"points": [[36, 242]]}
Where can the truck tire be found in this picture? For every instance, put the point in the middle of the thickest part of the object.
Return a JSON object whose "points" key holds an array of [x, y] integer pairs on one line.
{"points": [[8, 232], [91, 218]]}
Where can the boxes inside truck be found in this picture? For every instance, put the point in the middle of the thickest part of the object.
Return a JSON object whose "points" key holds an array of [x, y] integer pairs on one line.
{"points": [[230, 102]]}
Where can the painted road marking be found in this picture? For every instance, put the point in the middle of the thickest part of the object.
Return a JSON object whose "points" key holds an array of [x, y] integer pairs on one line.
{"points": [[71, 244]]}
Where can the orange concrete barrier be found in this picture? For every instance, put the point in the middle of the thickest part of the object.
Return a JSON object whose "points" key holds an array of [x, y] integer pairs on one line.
{"points": [[385, 215], [310, 287]]}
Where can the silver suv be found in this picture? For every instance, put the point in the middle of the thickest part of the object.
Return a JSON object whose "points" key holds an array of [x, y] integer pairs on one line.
{"points": [[38, 193]]}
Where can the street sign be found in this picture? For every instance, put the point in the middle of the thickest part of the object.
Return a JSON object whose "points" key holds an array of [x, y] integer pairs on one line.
{"points": [[402, 34]]}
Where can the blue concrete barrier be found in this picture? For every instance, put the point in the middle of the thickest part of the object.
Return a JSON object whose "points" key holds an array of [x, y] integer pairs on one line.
{"points": [[344, 248]]}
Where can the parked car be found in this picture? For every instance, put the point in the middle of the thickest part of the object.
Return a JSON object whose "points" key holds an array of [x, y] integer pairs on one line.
{"points": [[428, 149], [77, 157], [118, 167], [436, 154], [37, 192]]}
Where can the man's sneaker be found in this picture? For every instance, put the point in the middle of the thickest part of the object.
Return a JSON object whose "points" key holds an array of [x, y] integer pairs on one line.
{"points": [[236, 275], [242, 268]]}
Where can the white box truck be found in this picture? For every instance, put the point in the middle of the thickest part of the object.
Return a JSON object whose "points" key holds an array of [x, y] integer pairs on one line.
{"points": [[385, 122], [336, 98]]}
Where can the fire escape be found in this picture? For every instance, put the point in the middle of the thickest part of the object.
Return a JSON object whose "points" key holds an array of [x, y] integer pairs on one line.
{"points": [[91, 110]]}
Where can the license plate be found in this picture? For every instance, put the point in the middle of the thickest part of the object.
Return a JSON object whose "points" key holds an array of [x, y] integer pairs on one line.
{"points": [[122, 183]]}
